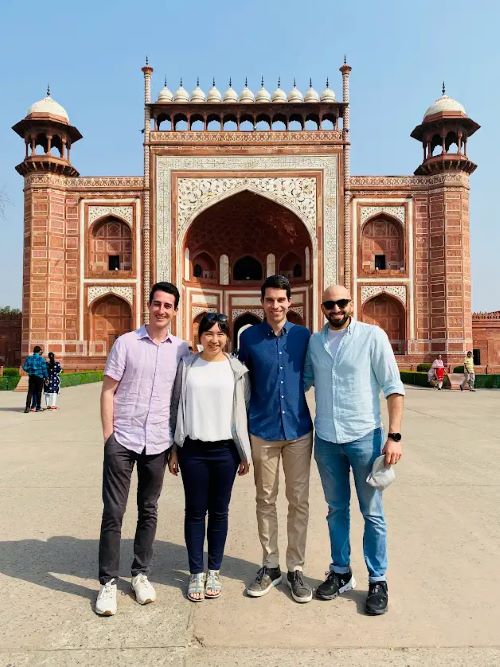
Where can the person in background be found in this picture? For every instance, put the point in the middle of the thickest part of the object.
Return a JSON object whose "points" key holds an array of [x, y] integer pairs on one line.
{"points": [[469, 374], [439, 372], [52, 383], [36, 368], [211, 445]]}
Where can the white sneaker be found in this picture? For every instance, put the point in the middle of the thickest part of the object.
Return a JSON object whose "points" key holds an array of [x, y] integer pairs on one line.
{"points": [[143, 589], [106, 600]]}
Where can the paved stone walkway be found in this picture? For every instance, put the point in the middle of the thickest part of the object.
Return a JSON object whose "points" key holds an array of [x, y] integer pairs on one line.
{"points": [[444, 533]]}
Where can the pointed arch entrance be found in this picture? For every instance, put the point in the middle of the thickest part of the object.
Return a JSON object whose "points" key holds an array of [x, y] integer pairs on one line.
{"points": [[242, 323], [389, 314], [247, 234], [109, 317]]}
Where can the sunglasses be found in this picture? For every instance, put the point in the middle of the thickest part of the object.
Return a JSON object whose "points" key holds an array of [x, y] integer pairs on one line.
{"points": [[341, 303], [216, 317]]}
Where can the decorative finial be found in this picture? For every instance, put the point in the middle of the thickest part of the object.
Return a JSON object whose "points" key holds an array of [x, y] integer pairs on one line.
{"points": [[180, 82], [246, 82], [345, 59], [262, 81], [147, 60], [48, 90], [294, 84], [213, 81], [197, 81], [279, 82], [327, 83], [444, 89], [310, 83], [230, 82], [165, 82]]}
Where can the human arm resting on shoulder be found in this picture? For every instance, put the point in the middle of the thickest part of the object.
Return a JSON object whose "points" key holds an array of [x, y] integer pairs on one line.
{"points": [[109, 386], [308, 369]]}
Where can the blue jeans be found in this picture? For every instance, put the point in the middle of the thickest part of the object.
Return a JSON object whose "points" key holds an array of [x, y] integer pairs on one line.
{"points": [[208, 470], [334, 461]]}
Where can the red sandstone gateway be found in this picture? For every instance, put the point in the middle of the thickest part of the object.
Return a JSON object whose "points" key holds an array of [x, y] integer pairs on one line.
{"points": [[237, 186]]}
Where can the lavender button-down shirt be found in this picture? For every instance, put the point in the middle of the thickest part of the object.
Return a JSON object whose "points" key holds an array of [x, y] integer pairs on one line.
{"points": [[146, 373]]}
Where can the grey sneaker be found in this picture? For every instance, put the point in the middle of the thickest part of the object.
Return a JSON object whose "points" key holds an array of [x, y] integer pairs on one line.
{"points": [[266, 578], [300, 589]]}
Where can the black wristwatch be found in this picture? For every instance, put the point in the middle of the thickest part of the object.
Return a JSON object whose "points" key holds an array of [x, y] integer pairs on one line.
{"points": [[394, 436]]}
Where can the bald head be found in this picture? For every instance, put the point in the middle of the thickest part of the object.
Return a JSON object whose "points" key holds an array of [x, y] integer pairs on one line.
{"points": [[335, 292]]}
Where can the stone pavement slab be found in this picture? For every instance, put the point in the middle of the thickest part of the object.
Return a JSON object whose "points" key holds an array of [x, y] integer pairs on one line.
{"points": [[444, 540]]}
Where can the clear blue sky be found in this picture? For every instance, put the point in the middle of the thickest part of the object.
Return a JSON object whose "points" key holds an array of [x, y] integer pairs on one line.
{"points": [[91, 53]]}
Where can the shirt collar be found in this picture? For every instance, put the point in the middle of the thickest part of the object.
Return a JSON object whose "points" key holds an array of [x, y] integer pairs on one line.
{"points": [[142, 332], [284, 330], [350, 328]]}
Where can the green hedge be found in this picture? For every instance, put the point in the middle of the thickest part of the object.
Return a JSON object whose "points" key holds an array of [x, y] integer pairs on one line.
{"points": [[487, 381], [11, 372], [420, 379], [423, 367], [85, 377], [8, 382], [413, 377], [458, 369]]}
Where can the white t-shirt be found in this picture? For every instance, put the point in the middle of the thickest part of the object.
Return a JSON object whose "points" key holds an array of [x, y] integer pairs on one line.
{"points": [[209, 400], [334, 338]]}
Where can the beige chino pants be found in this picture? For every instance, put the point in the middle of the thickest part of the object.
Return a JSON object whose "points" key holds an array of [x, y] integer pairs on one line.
{"points": [[296, 457]]}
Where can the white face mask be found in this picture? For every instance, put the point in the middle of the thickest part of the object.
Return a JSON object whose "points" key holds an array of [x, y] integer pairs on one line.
{"points": [[381, 477]]}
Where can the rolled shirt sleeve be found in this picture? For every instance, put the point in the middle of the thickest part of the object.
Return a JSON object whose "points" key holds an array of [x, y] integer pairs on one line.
{"points": [[117, 360], [384, 364]]}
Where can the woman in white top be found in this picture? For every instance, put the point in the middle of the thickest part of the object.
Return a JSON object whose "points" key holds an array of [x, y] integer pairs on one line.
{"points": [[211, 445]]}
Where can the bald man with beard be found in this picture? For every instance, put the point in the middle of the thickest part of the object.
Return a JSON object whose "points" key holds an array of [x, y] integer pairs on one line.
{"points": [[350, 363]]}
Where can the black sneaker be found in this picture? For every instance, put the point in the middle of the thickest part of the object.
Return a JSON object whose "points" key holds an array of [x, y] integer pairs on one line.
{"points": [[378, 598], [300, 590], [335, 584], [266, 578]]}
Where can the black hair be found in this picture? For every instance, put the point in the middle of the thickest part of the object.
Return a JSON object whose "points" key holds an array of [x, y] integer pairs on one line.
{"points": [[169, 288], [277, 282], [37, 349], [209, 319], [52, 359]]}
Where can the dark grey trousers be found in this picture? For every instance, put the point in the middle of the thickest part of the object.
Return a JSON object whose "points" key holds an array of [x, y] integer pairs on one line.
{"points": [[117, 471]]}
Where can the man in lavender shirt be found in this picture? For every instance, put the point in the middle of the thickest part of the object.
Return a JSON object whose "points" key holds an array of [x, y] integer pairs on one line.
{"points": [[135, 415]]}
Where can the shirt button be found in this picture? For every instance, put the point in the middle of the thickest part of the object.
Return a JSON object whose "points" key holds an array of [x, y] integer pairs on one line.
{"points": [[282, 397], [281, 352], [281, 368], [283, 412], [281, 381]]}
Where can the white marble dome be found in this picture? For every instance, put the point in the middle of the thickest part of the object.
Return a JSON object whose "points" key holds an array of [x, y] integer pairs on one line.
{"points": [[165, 95], [327, 95], [49, 106], [295, 95], [246, 95], [311, 94], [198, 95], [279, 94], [181, 94], [230, 95], [263, 95], [214, 96], [445, 104]]}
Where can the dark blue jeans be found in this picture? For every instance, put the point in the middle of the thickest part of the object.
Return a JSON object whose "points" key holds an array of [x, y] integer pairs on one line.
{"points": [[208, 470]]}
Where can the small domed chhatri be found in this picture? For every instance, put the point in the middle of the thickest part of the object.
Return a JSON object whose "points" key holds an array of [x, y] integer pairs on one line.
{"points": [[295, 96], [48, 106], [165, 94], [246, 95], [311, 94], [230, 95], [327, 95], [214, 96], [263, 95], [445, 104], [181, 94], [279, 94], [198, 95]]}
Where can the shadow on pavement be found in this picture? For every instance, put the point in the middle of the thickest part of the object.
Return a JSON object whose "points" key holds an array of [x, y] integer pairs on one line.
{"points": [[46, 563]]}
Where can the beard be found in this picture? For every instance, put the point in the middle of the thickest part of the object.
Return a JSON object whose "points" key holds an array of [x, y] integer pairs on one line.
{"points": [[337, 324]]}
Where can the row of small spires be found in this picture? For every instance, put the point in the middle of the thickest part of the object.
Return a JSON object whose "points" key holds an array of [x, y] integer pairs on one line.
{"points": [[182, 96]]}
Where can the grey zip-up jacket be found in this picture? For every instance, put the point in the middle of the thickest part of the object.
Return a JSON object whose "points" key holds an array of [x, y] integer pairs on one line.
{"points": [[241, 397]]}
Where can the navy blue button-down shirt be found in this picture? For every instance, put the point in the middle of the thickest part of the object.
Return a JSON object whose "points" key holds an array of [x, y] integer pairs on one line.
{"points": [[278, 408]]}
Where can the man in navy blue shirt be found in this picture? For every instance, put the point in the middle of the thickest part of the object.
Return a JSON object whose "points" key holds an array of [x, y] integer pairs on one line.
{"points": [[280, 428]]}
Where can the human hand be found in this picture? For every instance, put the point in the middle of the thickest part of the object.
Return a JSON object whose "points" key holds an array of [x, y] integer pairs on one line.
{"points": [[393, 452], [173, 464], [243, 468]]}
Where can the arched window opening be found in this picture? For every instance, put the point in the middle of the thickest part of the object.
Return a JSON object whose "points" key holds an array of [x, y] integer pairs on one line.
{"points": [[204, 267], [263, 123], [230, 125], [214, 125], [164, 123], [197, 271], [295, 126], [110, 317], [291, 266], [382, 245], [389, 314], [197, 125], [111, 246], [242, 323], [247, 268], [41, 145], [247, 126], [279, 125], [180, 123], [327, 124], [56, 146]]}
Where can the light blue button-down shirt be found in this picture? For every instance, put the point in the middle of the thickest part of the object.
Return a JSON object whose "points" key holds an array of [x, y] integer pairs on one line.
{"points": [[347, 388]]}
